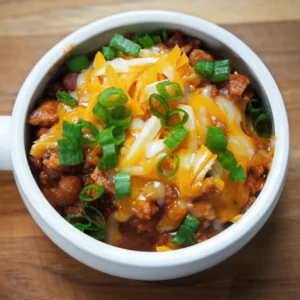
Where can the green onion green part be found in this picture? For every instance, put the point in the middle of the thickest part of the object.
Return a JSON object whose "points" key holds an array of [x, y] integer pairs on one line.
{"points": [[69, 152], [112, 97], [169, 90], [120, 117], [78, 63], [216, 140], [145, 40], [90, 222], [221, 70], [237, 174], [72, 130], [176, 137], [254, 106], [205, 68], [101, 112], [110, 156], [183, 115], [263, 125], [126, 46], [227, 159], [67, 98], [162, 102], [94, 132], [98, 191], [186, 232], [111, 135], [123, 184], [175, 161], [109, 53]]}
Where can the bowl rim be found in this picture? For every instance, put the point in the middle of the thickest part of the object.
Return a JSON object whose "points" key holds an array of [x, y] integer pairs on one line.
{"points": [[109, 253]]}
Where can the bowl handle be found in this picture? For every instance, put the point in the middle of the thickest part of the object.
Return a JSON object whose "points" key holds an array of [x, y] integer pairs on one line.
{"points": [[5, 144]]}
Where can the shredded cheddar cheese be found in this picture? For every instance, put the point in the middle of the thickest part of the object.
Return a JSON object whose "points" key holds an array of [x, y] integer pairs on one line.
{"points": [[144, 144]]}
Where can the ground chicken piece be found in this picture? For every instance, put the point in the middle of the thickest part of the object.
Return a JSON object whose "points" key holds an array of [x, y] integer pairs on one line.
{"points": [[44, 178], [142, 225], [102, 178], [257, 171], [148, 210], [198, 54], [175, 39], [36, 163], [235, 86], [41, 131], [171, 193], [45, 115], [255, 184], [202, 209], [212, 187], [52, 165]]}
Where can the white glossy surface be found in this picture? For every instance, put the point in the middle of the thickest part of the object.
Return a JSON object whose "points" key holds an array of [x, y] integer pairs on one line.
{"points": [[146, 265], [5, 143]]}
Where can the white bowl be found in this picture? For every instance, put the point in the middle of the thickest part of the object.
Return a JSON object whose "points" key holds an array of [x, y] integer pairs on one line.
{"points": [[127, 263]]}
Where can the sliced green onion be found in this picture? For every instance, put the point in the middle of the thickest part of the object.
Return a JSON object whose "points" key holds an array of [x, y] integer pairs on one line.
{"points": [[78, 63], [80, 225], [176, 137], [176, 163], [109, 53], [69, 149], [174, 88], [186, 232], [120, 116], [263, 125], [126, 46], [254, 106], [227, 159], [110, 155], [164, 104], [221, 70], [87, 224], [85, 192], [101, 112], [111, 135], [175, 111], [96, 215], [145, 41], [102, 164], [156, 38], [163, 33], [112, 97], [123, 184], [93, 130], [72, 130], [69, 152], [205, 68], [237, 174], [67, 98], [216, 140]]}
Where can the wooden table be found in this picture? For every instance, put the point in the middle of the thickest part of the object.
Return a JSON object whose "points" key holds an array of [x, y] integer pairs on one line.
{"points": [[32, 267]]}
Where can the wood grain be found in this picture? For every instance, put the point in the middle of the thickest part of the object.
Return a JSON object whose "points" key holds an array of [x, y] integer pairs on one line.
{"points": [[32, 267], [28, 17]]}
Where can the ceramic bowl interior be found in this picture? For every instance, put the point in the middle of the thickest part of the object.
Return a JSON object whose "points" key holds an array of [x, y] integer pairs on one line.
{"points": [[91, 38]]}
